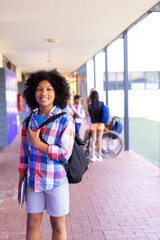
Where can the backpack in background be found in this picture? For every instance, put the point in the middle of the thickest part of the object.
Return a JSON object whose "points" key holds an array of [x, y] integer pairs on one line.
{"points": [[116, 126], [77, 164], [105, 114]]}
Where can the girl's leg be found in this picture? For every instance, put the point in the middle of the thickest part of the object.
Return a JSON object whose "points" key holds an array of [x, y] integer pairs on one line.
{"points": [[33, 226], [58, 228], [99, 139], [94, 137]]}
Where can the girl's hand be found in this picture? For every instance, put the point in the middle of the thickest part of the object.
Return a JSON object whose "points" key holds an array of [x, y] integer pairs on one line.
{"points": [[76, 115], [33, 137], [21, 177], [19, 195]]}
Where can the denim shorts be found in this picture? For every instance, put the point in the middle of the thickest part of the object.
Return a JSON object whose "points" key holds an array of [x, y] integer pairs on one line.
{"points": [[55, 201]]}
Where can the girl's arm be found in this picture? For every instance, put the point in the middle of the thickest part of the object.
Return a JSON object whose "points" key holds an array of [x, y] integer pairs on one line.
{"points": [[79, 111], [23, 160], [75, 111], [23, 152]]}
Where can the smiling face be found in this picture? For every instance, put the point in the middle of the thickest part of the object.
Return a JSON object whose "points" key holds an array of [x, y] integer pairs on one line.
{"points": [[45, 96]]}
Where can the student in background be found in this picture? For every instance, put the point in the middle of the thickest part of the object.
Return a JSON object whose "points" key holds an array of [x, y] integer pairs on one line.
{"points": [[78, 112], [88, 118], [96, 127], [89, 101]]}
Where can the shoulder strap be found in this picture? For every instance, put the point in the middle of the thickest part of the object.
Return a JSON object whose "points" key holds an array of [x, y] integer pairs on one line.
{"points": [[51, 119], [27, 121], [79, 141]]}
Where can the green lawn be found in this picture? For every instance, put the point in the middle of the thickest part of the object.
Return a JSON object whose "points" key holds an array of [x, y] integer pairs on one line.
{"points": [[145, 138]]}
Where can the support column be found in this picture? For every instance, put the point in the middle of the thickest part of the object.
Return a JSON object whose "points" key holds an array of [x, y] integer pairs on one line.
{"points": [[94, 64], [106, 74], [126, 118], [81, 83]]}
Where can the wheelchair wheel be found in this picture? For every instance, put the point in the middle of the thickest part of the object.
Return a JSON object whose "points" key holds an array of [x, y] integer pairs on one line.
{"points": [[111, 144]]}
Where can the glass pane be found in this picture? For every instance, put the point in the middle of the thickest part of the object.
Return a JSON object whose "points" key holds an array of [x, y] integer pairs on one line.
{"points": [[90, 75], [144, 85], [116, 79], [100, 76]]}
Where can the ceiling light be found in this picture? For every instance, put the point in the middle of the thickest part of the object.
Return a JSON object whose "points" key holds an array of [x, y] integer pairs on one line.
{"points": [[50, 61], [53, 40]]}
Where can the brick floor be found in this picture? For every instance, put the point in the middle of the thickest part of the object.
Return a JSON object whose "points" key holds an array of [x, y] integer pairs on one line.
{"points": [[118, 199]]}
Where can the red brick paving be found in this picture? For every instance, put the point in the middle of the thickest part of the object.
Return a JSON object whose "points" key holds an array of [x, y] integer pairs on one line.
{"points": [[118, 199]]}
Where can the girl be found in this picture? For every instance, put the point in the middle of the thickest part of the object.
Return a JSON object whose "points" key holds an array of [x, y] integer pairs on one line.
{"points": [[47, 183], [96, 127], [78, 112]]}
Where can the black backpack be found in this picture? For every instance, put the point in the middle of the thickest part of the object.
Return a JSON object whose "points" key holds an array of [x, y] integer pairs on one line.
{"points": [[77, 163]]}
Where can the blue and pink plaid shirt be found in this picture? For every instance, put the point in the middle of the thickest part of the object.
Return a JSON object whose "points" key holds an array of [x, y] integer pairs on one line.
{"points": [[45, 171]]}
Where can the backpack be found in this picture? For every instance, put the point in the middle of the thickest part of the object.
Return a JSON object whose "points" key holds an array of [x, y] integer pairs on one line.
{"points": [[77, 164], [105, 114], [116, 126]]}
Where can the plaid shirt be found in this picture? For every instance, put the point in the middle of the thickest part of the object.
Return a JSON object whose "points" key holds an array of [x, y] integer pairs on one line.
{"points": [[45, 171]]}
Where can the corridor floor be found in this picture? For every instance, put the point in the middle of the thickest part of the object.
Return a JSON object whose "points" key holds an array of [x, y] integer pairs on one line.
{"points": [[118, 198]]}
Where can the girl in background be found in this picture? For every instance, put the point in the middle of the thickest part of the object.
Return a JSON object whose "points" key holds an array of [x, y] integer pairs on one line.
{"points": [[96, 127], [78, 112]]}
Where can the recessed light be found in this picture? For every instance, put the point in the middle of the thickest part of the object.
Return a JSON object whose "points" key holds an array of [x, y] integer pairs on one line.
{"points": [[50, 61], [53, 40]]}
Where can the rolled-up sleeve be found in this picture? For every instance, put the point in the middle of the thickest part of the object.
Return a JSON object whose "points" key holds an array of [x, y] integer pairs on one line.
{"points": [[23, 152], [62, 151]]}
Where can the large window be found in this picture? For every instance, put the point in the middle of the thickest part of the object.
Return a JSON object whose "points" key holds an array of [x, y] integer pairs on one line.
{"points": [[144, 96], [116, 78], [100, 76], [90, 75], [143, 86]]}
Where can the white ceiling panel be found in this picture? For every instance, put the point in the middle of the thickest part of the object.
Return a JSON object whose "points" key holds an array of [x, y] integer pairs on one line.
{"points": [[83, 27]]}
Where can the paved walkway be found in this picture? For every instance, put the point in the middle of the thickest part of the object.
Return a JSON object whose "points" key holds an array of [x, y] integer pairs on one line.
{"points": [[118, 198]]}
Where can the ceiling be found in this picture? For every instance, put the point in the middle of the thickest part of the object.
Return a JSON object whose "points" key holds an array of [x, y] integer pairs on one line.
{"points": [[83, 27]]}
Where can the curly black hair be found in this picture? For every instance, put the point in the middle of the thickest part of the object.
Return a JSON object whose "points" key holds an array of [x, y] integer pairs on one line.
{"points": [[58, 82]]}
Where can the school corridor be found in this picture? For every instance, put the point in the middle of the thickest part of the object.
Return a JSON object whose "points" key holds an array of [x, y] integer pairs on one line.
{"points": [[117, 199]]}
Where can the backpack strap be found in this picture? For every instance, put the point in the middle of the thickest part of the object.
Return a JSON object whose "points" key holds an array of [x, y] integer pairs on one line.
{"points": [[51, 119], [79, 141], [27, 121]]}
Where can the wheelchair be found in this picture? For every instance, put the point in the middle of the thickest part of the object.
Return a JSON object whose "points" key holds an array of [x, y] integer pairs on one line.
{"points": [[112, 143]]}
